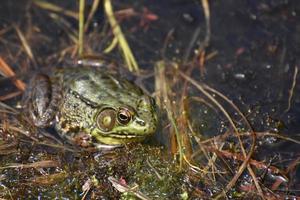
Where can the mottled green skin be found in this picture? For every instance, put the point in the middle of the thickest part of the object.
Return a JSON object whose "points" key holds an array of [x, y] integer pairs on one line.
{"points": [[77, 96]]}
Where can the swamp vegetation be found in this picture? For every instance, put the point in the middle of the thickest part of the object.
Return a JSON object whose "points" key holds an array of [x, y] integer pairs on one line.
{"points": [[224, 75]]}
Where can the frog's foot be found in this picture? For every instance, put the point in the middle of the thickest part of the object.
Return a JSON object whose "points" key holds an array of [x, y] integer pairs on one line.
{"points": [[82, 139], [44, 100], [85, 140]]}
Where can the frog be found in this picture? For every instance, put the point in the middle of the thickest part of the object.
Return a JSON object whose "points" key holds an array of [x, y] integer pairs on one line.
{"points": [[90, 105]]}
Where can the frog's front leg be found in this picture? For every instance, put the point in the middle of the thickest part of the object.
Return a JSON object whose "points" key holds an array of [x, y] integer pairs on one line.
{"points": [[45, 98]]}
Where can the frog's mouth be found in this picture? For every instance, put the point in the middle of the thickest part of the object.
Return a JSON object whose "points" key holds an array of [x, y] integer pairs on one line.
{"points": [[122, 135], [117, 138]]}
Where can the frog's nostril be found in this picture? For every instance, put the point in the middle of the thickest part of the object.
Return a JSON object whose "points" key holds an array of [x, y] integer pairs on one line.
{"points": [[141, 122]]}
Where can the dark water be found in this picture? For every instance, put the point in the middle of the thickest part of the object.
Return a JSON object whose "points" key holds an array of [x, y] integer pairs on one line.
{"points": [[258, 51]]}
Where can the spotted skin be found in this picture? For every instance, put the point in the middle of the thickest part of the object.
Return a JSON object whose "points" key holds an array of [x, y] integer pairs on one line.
{"points": [[72, 99]]}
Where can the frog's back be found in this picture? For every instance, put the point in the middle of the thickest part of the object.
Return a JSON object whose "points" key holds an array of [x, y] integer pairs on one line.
{"points": [[99, 86]]}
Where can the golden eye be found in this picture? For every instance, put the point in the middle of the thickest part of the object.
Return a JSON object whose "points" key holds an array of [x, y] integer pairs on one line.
{"points": [[106, 119], [124, 116]]}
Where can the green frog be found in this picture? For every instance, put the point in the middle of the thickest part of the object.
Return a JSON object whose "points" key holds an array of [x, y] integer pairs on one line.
{"points": [[88, 105]]}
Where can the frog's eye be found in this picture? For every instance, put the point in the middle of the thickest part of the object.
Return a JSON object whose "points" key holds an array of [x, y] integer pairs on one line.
{"points": [[106, 119], [124, 116]]}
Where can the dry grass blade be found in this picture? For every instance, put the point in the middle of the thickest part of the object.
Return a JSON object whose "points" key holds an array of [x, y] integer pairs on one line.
{"points": [[7, 145], [121, 187], [178, 135], [113, 44], [86, 187], [127, 53], [5, 30], [49, 179], [205, 42], [17, 130], [91, 14], [291, 91], [39, 164], [8, 191], [258, 134], [9, 151], [62, 22], [8, 72], [81, 27], [8, 109], [52, 7], [26, 45], [10, 95], [56, 146], [257, 164], [205, 6], [162, 86], [276, 135]]}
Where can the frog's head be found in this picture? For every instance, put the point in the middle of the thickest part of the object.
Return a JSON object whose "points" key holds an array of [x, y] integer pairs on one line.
{"points": [[123, 123]]}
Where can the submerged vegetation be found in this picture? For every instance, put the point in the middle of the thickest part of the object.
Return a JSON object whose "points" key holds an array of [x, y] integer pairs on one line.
{"points": [[210, 145]]}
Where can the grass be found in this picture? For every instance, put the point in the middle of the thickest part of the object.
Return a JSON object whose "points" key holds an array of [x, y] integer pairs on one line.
{"points": [[81, 28], [119, 36]]}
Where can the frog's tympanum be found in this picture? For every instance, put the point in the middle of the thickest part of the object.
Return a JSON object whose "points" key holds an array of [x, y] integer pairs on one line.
{"points": [[93, 103]]}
